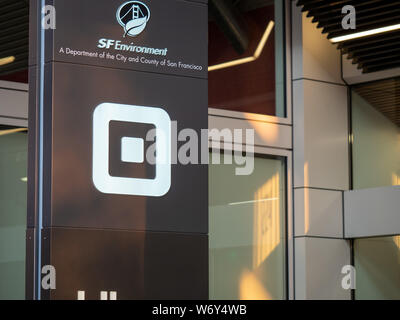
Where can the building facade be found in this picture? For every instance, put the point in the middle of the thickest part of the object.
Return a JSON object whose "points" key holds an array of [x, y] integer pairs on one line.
{"points": [[318, 215]]}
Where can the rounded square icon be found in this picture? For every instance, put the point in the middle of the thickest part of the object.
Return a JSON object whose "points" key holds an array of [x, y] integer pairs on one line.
{"points": [[103, 181]]}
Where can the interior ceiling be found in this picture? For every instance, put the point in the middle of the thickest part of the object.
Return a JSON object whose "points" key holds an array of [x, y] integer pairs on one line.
{"points": [[384, 95], [14, 34], [373, 53]]}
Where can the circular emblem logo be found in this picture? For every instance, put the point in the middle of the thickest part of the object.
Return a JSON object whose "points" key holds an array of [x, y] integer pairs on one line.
{"points": [[133, 17]]}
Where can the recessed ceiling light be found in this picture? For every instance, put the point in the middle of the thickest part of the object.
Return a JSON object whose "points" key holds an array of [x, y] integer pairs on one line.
{"points": [[365, 33], [6, 60]]}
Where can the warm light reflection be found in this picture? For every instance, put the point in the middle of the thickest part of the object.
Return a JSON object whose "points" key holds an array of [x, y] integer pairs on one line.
{"points": [[396, 241], [395, 179], [268, 134], [250, 288], [11, 131], [266, 235], [255, 56], [306, 199], [7, 60]]}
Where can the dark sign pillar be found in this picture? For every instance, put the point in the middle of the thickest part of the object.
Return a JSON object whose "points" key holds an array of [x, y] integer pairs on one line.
{"points": [[112, 223]]}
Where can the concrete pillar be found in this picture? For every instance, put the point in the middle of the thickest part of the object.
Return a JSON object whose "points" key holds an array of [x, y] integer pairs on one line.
{"points": [[321, 162]]}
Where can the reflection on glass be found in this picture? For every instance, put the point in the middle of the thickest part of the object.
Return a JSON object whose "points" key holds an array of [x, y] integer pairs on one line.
{"points": [[252, 80], [377, 268], [247, 231], [13, 186], [376, 136]]}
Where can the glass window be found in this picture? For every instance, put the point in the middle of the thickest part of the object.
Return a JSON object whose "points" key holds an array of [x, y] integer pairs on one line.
{"points": [[377, 268], [247, 231], [376, 134], [246, 57], [13, 188]]}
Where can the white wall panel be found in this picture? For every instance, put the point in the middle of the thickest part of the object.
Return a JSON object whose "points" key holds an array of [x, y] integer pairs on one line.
{"points": [[318, 213], [372, 212], [321, 158], [314, 56], [318, 266]]}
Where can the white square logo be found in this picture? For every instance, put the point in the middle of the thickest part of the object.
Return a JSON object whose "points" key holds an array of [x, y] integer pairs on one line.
{"points": [[132, 150]]}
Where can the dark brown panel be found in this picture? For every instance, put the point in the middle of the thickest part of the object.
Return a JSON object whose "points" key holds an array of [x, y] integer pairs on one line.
{"points": [[177, 26], [137, 265], [101, 240], [30, 264], [71, 198]]}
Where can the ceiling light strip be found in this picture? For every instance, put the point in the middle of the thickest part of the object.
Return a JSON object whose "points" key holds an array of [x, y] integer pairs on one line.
{"points": [[365, 33], [257, 53], [7, 60], [11, 131]]}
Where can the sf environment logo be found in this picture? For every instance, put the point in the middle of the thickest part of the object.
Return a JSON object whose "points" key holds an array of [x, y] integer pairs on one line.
{"points": [[133, 17]]}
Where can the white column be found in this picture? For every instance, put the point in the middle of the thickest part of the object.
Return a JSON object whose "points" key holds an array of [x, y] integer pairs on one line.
{"points": [[320, 162]]}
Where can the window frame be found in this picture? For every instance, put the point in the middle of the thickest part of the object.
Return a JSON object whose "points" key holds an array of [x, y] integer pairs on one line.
{"points": [[286, 156], [282, 148], [288, 119]]}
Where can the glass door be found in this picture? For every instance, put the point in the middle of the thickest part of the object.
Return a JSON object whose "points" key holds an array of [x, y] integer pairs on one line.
{"points": [[13, 189], [247, 218]]}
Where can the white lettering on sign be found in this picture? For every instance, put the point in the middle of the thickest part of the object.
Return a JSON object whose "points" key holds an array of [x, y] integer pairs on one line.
{"points": [[119, 46], [81, 295]]}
